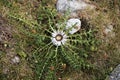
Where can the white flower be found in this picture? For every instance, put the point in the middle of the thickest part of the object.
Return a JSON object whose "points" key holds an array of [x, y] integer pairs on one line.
{"points": [[74, 25], [58, 38]]}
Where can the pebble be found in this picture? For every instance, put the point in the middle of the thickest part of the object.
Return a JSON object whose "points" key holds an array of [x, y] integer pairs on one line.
{"points": [[15, 60], [74, 25]]}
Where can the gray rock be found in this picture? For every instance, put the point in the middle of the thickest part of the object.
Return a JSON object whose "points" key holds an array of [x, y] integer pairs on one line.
{"points": [[109, 30], [73, 23], [72, 6], [108, 33], [115, 75]]}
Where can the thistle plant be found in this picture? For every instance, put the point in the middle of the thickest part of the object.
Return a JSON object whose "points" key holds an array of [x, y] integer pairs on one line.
{"points": [[53, 46]]}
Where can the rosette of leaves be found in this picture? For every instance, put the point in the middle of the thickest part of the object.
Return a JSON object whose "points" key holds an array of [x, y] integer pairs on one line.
{"points": [[47, 59]]}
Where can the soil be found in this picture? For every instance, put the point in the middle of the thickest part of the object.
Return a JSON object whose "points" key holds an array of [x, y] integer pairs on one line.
{"points": [[5, 35]]}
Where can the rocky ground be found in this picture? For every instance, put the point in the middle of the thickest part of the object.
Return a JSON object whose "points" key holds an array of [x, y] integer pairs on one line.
{"points": [[102, 15]]}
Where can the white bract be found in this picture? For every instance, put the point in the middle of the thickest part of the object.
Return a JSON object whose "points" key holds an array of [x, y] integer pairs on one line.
{"points": [[73, 25], [58, 38]]}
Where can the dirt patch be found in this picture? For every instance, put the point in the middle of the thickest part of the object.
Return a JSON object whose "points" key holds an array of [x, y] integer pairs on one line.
{"points": [[5, 34], [12, 66]]}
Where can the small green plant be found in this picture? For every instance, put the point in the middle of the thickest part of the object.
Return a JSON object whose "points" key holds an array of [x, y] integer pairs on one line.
{"points": [[46, 55]]}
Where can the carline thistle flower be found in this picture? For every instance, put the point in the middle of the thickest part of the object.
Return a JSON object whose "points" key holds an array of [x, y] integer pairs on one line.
{"points": [[59, 38]]}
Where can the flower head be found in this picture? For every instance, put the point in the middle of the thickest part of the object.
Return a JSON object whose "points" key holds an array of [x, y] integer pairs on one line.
{"points": [[58, 38]]}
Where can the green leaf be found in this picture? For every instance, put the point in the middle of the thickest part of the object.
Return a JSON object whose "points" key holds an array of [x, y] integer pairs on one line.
{"points": [[22, 54]]}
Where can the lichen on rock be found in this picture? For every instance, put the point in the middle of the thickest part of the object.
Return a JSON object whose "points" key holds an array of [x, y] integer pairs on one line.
{"points": [[72, 6]]}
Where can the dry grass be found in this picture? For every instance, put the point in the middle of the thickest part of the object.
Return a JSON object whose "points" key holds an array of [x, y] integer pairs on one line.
{"points": [[104, 59]]}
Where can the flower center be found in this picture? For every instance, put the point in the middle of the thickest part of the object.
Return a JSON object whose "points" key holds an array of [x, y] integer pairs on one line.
{"points": [[59, 37]]}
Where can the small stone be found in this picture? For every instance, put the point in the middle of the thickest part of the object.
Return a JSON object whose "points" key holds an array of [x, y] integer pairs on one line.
{"points": [[111, 77], [5, 45], [108, 29], [108, 33], [5, 70], [73, 25], [59, 78], [15, 60]]}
